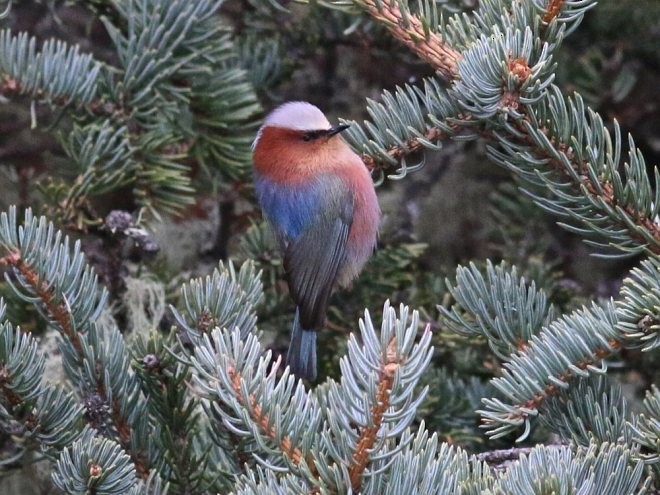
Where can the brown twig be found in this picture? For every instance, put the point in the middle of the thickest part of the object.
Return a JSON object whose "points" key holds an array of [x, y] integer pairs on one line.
{"points": [[409, 30], [57, 311], [430, 47], [552, 10], [551, 389], [413, 144], [123, 428], [603, 190], [262, 419], [13, 398], [368, 434], [11, 87], [27, 418], [500, 459]]}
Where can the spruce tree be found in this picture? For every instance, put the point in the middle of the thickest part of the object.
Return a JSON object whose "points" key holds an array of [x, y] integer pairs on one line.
{"points": [[197, 400]]}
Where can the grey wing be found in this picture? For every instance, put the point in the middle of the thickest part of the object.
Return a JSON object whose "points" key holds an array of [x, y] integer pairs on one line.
{"points": [[312, 260]]}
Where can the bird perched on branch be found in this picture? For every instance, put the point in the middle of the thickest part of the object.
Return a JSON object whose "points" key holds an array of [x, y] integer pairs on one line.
{"points": [[319, 197]]}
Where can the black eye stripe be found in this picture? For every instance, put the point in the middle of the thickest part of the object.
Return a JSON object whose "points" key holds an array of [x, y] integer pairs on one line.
{"points": [[311, 135]]}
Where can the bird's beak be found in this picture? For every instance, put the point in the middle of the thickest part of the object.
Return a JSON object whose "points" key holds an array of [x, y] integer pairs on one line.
{"points": [[337, 129]]}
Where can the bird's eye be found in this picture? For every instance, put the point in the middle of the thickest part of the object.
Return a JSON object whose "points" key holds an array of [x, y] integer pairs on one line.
{"points": [[307, 137]]}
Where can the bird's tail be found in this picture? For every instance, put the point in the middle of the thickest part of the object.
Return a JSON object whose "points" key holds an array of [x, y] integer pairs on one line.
{"points": [[302, 351]]}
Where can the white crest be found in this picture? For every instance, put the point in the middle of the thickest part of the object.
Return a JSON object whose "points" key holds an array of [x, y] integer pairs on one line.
{"points": [[299, 116], [295, 115]]}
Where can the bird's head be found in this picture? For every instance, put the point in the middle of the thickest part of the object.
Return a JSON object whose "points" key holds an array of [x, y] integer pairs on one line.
{"points": [[296, 124]]}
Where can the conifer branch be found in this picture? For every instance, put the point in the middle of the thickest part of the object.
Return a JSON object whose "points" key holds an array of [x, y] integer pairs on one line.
{"points": [[11, 87], [247, 397], [225, 299], [368, 434], [43, 289], [125, 432], [181, 436], [506, 79], [594, 410], [179, 98], [501, 307], [405, 122], [603, 194], [413, 144], [48, 415], [48, 273], [639, 308], [569, 348], [62, 316], [409, 30], [58, 73], [283, 417], [552, 10], [96, 465], [176, 60], [261, 419], [647, 430], [588, 470], [372, 401], [423, 38]]}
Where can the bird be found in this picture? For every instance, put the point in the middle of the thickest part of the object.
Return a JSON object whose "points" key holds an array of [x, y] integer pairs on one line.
{"points": [[319, 198]]}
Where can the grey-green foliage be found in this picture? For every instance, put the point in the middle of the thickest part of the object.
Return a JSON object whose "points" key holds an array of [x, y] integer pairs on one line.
{"points": [[43, 413], [314, 434], [57, 72], [408, 112], [497, 15], [586, 189], [413, 111], [639, 308], [351, 434], [501, 307], [427, 466], [177, 93], [599, 331], [554, 143], [569, 164], [647, 429], [187, 460], [569, 348], [554, 375], [102, 155], [390, 353], [225, 299], [114, 383], [57, 268], [94, 464], [262, 59], [262, 480], [424, 466], [56, 279], [597, 469], [593, 410], [480, 71], [293, 437]]}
